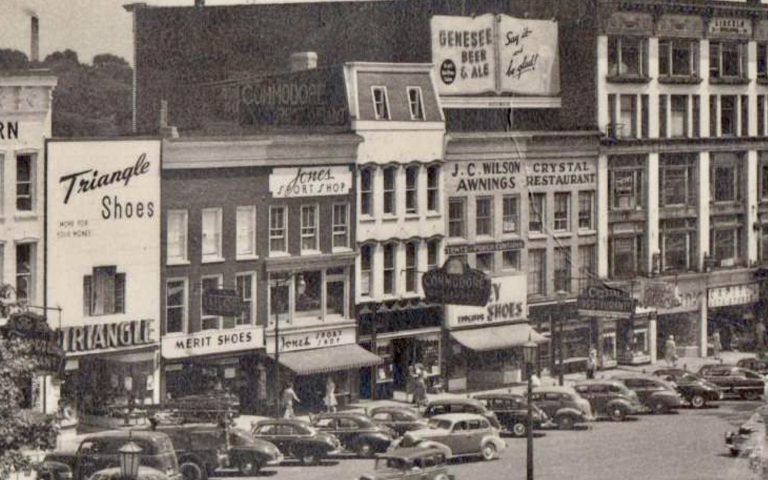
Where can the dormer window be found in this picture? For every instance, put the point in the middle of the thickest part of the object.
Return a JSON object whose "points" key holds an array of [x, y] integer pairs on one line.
{"points": [[380, 103], [416, 104]]}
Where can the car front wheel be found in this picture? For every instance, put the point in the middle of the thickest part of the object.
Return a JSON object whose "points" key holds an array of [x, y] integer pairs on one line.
{"points": [[750, 395], [659, 408], [364, 450], [618, 414], [192, 471], [519, 429], [565, 422], [307, 457], [249, 466], [488, 451], [698, 401]]}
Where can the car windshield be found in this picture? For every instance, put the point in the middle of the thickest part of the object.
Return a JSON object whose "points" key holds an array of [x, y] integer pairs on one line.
{"points": [[440, 423]]}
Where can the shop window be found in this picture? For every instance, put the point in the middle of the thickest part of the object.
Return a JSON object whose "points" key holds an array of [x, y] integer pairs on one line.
{"points": [[537, 212], [762, 60], [309, 291], [727, 59], [366, 270], [175, 305], [625, 256], [25, 271], [415, 103], [510, 259], [510, 217], [411, 189], [25, 182], [587, 210], [341, 225], [104, 292], [725, 178], [433, 188], [678, 58], [563, 269], [484, 216], [380, 103], [457, 218], [536, 272], [390, 251], [390, 182], [627, 57], [678, 180], [277, 230], [336, 291], [626, 188], [726, 245], [176, 236], [279, 297], [677, 240], [587, 265], [561, 215], [207, 321], [309, 228], [411, 266], [211, 241], [433, 254], [764, 176], [246, 231], [246, 291], [366, 191], [484, 262]]}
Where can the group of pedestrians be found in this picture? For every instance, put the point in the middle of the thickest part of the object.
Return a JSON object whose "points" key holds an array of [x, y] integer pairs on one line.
{"points": [[289, 397]]}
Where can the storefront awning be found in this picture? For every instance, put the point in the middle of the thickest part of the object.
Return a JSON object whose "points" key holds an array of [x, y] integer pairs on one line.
{"points": [[496, 338], [331, 359]]}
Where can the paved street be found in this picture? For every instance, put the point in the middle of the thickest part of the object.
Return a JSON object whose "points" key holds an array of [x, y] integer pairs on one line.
{"points": [[681, 446]]}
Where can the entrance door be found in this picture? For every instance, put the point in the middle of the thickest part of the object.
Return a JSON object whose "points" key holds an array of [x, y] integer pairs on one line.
{"points": [[403, 355]]}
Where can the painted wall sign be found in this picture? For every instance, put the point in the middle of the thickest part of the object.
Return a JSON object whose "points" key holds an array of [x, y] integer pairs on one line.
{"points": [[733, 295], [306, 340], [515, 175], [310, 181], [730, 27], [507, 303], [495, 53], [456, 284], [103, 337], [223, 302], [661, 294], [211, 342], [605, 298], [9, 130], [484, 247]]}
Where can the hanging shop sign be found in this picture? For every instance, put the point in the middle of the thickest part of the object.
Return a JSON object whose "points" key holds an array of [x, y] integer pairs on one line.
{"points": [[311, 339], [603, 298], [310, 181], [484, 247], [212, 342], [33, 330], [659, 294], [456, 284], [223, 302], [507, 303], [733, 295], [104, 337], [495, 53]]}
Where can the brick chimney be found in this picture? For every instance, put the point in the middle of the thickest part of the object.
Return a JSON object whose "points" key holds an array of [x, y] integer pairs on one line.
{"points": [[303, 61], [34, 47]]}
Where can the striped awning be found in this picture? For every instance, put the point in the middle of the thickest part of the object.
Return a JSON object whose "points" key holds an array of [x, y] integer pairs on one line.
{"points": [[497, 338], [330, 359]]}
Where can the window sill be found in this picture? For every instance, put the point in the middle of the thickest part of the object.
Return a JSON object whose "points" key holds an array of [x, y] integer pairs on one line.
{"points": [[412, 216], [729, 81], [247, 257], [174, 263], [434, 214], [537, 236], [563, 234], [627, 79], [587, 233], [366, 218], [484, 239], [340, 250], [692, 80], [26, 216], [389, 217], [212, 260], [762, 80], [311, 252], [456, 240], [279, 254]]}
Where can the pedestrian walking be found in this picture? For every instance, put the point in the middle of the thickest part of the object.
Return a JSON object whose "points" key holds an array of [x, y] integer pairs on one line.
{"points": [[289, 396], [716, 345], [330, 395], [420, 387], [670, 351], [591, 363]]}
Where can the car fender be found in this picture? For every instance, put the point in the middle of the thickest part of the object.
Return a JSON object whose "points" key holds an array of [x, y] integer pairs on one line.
{"points": [[617, 402], [497, 442], [573, 412], [440, 446], [236, 453], [190, 457]]}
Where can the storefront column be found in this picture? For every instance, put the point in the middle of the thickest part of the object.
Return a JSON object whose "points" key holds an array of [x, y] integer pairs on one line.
{"points": [[602, 216], [703, 326], [703, 209], [752, 183], [652, 231], [652, 337]]}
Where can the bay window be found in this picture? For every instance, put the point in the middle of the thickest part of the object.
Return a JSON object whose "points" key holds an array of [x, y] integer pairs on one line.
{"points": [[309, 296], [678, 58], [627, 57], [279, 297], [308, 288], [336, 292]]}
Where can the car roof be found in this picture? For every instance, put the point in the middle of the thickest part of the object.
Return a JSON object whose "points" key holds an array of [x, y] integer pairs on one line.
{"points": [[599, 382], [392, 408], [505, 396], [554, 389], [410, 452], [140, 434], [463, 400], [282, 421], [455, 417]]}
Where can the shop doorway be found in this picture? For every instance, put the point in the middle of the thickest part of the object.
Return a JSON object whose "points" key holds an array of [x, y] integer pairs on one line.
{"points": [[405, 353]]}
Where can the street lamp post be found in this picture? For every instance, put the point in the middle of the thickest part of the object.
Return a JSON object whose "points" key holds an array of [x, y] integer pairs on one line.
{"points": [[529, 355]]}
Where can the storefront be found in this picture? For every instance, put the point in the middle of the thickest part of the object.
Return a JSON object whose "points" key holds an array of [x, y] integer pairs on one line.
{"points": [[485, 342], [678, 304], [730, 312]]}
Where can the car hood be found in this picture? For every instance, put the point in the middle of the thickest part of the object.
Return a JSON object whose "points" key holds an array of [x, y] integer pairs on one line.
{"points": [[424, 433], [383, 473]]}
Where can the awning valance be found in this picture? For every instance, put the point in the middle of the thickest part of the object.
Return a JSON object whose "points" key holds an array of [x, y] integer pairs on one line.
{"points": [[330, 359], [496, 338]]}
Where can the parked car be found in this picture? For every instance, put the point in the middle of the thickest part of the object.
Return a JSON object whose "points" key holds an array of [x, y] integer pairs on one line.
{"points": [[356, 432], [758, 365], [460, 405], [609, 398], [694, 389], [654, 393], [735, 380], [100, 451], [563, 405], [297, 438], [116, 473], [458, 434], [512, 411], [399, 419], [410, 464], [204, 448], [208, 407]]}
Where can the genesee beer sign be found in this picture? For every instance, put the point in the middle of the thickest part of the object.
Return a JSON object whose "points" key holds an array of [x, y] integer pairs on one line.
{"points": [[456, 284]]}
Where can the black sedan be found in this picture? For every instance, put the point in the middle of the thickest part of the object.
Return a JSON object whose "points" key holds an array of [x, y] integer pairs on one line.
{"points": [[296, 438], [735, 380], [398, 418], [694, 389], [356, 432], [512, 411]]}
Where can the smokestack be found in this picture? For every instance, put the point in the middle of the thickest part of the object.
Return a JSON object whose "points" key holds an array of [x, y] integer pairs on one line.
{"points": [[34, 48]]}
